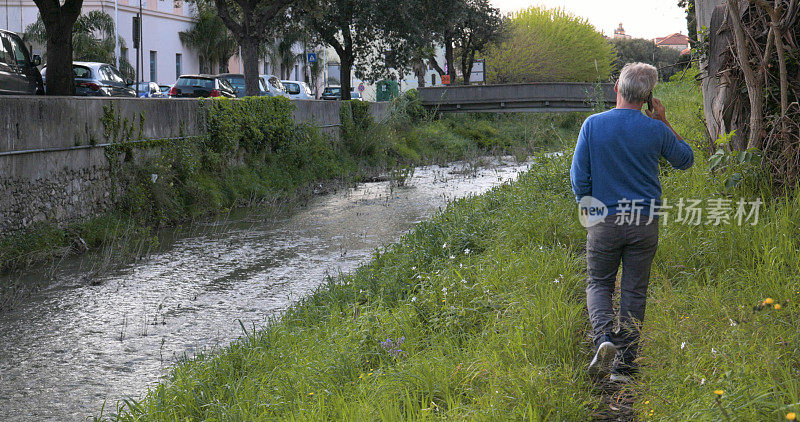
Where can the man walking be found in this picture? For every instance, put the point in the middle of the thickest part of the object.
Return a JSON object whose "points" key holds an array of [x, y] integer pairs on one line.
{"points": [[616, 165]]}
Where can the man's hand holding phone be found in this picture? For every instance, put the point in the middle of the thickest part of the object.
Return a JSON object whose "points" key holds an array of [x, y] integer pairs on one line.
{"points": [[658, 111]]}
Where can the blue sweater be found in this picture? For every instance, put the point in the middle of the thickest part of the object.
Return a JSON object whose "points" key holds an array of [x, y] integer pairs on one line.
{"points": [[617, 155]]}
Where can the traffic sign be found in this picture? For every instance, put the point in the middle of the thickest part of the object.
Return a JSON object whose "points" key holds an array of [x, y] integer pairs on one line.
{"points": [[446, 79], [361, 87], [312, 57]]}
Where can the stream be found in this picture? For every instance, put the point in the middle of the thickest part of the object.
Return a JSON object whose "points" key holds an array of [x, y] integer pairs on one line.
{"points": [[99, 334]]}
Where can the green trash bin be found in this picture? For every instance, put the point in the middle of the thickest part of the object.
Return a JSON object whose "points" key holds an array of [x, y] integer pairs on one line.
{"points": [[387, 89]]}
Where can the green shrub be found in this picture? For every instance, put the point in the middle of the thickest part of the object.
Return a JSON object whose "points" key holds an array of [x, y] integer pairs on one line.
{"points": [[549, 45]]}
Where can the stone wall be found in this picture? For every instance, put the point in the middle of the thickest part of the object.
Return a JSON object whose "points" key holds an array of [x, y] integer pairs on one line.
{"points": [[63, 173]]}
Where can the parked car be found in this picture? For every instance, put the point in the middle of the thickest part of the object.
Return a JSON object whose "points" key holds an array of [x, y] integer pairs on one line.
{"points": [[97, 79], [335, 93], [274, 86], [196, 86], [164, 90], [298, 90], [237, 80], [18, 72], [149, 90]]}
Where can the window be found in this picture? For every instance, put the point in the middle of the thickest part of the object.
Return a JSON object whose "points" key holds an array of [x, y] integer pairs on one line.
{"points": [[15, 52], [433, 79], [297, 72], [5, 51], [153, 63], [108, 73], [178, 60], [266, 68]]}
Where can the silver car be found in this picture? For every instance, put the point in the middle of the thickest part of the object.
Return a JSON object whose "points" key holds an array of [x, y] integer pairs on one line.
{"points": [[97, 79], [298, 90], [274, 87]]}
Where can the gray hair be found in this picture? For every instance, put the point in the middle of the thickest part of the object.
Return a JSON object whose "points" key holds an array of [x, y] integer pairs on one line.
{"points": [[636, 81]]}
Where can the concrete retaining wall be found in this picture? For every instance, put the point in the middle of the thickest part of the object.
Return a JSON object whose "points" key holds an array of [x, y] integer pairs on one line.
{"points": [[64, 175]]}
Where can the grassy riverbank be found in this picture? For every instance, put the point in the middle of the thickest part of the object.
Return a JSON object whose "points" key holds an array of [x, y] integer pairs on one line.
{"points": [[254, 154], [479, 314]]}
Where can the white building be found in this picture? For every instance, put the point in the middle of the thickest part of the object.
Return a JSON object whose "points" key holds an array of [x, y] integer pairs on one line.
{"points": [[164, 57]]}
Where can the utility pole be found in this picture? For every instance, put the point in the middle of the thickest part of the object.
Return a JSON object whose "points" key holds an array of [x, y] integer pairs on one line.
{"points": [[116, 33]]}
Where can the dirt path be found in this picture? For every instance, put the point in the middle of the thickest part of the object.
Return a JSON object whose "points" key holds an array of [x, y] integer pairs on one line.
{"points": [[617, 399]]}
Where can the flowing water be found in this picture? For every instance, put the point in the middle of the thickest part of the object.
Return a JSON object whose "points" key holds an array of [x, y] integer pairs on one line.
{"points": [[102, 335]]}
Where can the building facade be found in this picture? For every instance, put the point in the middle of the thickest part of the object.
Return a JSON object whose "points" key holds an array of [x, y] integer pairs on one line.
{"points": [[163, 55]]}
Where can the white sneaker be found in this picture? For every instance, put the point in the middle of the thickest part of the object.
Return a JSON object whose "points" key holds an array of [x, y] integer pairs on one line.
{"points": [[621, 378], [603, 358]]}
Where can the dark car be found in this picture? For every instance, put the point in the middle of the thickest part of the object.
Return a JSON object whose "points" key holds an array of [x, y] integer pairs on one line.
{"points": [[332, 93], [93, 79], [18, 72], [197, 86], [335, 93], [237, 81]]}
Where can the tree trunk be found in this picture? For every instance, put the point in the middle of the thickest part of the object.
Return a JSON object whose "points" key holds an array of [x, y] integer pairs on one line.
{"points": [[346, 70], [250, 58], [60, 80], [449, 57], [58, 22], [467, 62], [721, 96]]}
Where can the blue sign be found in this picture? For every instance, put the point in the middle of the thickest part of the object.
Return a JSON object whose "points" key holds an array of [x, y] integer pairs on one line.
{"points": [[312, 57]]}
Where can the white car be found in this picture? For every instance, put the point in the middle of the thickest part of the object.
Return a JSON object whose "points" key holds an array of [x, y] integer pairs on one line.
{"points": [[274, 87], [298, 90]]}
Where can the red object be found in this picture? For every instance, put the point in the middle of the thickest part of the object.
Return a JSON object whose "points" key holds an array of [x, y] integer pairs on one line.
{"points": [[173, 91], [91, 85], [213, 93], [446, 79]]}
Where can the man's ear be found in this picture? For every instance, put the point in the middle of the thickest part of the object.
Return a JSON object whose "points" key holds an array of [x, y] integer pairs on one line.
{"points": [[616, 86]]}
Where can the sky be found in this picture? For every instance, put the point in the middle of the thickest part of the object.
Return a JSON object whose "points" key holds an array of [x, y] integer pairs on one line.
{"points": [[640, 18]]}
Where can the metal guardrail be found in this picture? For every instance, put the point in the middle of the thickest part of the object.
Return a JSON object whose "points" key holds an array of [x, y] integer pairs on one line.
{"points": [[541, 97]]}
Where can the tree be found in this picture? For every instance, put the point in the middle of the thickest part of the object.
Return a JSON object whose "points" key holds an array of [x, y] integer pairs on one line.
{"points": [[479, 27], [58, 21], [691, 19], [281, 53], [92, 40], [549, 45], [348, 27], [249, 21], [666, 60], [462, 29], [210, 37]]}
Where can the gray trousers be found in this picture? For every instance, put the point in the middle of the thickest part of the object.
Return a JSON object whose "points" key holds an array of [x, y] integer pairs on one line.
{"points": [[607, 245]]}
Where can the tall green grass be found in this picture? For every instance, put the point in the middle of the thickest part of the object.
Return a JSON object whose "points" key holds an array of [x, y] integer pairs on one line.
{"points": [[488, 300]]}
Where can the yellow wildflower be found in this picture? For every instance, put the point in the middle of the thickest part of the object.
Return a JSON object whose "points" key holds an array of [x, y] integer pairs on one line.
{"points": [[719, 392], [791, 416], [768, 301], [310, 394], [777, 306], [647, 402]]}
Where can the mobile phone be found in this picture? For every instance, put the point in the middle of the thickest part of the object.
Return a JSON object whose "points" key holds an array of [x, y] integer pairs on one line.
{"points": [[650, 102]]}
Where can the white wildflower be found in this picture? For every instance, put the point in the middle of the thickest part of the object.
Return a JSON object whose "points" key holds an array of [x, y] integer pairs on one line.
{"points": [[466, 251], [683, 345]]}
